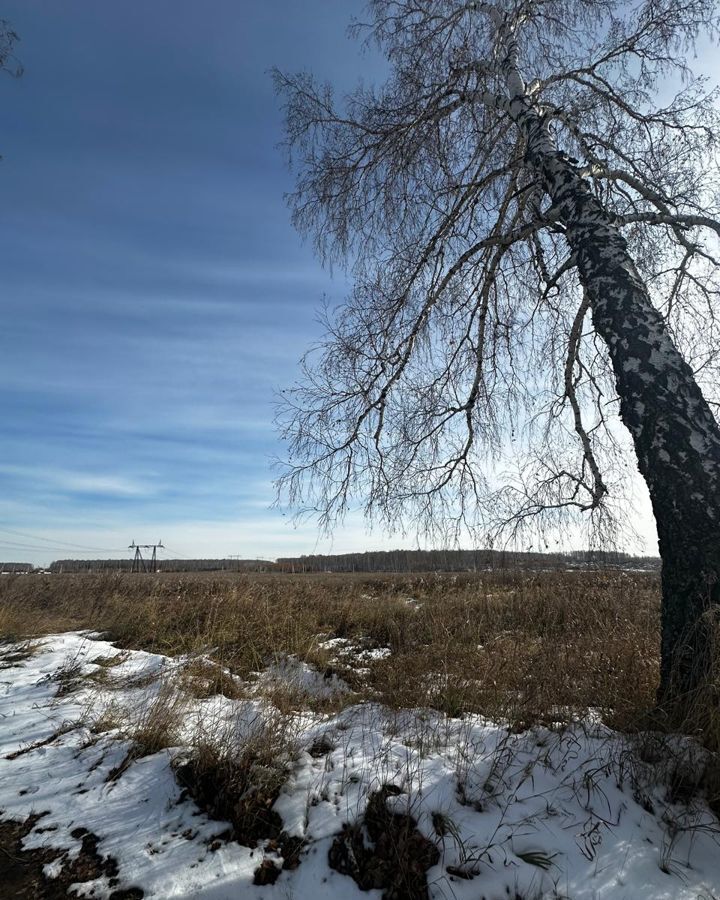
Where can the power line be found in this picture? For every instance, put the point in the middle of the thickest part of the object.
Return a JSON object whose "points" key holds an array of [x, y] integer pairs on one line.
{"points": [[49, 549], [176, 554], [14, 545], [57, 543], [95, 549]]}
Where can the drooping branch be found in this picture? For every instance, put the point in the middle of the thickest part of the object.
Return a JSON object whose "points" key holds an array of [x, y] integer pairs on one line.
{"points": [[462, 328], [9, 63]]}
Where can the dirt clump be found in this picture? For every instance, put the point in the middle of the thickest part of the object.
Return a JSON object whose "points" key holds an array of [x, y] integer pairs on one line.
{"points": [[398, 858], [21, 871], [228, 792]]}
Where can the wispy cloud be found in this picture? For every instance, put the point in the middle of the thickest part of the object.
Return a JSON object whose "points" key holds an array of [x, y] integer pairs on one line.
{"points": [[155, 294], [78, 482]]}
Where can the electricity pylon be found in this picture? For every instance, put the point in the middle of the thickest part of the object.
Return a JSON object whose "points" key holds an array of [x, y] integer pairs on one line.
{"points": [[139, 564]]}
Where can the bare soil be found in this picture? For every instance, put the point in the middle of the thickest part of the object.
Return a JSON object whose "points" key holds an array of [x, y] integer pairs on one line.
{"points": [[21, 871]]}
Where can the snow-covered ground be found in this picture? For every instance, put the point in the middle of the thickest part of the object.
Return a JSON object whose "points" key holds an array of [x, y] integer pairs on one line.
{"points": [[571, 813]]}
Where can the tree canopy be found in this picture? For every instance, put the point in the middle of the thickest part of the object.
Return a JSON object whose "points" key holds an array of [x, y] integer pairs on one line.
{"points": [[463, 383]]}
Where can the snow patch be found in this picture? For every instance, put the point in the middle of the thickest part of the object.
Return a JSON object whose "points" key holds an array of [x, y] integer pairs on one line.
{"points": [[574, 810], [294, 674]]}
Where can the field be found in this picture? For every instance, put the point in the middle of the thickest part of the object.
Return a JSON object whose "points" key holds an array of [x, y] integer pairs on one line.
{"points": [[517, 646], [248, 691]]}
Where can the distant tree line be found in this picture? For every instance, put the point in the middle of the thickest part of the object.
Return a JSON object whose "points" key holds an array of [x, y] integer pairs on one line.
{"points": [[400, 561], [461, 561], [164, 565], [15, 568]]}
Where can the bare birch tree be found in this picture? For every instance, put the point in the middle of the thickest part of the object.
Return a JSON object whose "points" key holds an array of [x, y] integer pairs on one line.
{"points": [[532, 239]]}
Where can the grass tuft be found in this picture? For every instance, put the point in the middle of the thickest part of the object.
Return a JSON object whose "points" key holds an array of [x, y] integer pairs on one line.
{"points": [[235, 772]]}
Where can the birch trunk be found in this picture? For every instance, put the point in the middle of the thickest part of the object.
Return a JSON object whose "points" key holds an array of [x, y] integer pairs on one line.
{"points": [[406, 181], [676, 436]]}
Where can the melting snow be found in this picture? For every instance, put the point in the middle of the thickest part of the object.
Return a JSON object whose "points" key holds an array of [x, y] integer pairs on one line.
{"points": [[546, 813], [290, 672]]}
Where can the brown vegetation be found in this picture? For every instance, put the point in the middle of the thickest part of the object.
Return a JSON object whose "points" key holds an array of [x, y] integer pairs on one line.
{"points": [[398, 858], [525, 646]]}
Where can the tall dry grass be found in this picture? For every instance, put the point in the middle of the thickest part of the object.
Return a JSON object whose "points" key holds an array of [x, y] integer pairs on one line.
{"points": [[522, 646]]}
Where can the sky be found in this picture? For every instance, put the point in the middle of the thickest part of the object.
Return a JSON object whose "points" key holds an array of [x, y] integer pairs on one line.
{"points": [[155, 296]]}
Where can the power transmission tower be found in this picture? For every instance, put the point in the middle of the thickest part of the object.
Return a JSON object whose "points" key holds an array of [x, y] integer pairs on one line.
{"points": [[139, 564]]}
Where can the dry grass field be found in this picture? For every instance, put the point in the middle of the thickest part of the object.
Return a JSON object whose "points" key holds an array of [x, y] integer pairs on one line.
{"points": [[338, 695], [524, 647]]}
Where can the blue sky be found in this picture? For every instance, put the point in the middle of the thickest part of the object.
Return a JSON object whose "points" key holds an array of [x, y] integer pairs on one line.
{"points": [[154, 292]]}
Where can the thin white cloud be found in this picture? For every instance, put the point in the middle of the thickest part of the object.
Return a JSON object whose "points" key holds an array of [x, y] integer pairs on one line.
{"points": [[79, 482]]}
